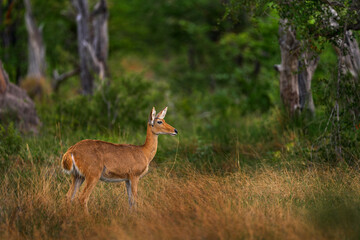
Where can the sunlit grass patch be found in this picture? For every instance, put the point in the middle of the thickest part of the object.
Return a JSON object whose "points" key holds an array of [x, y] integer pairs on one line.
{"points": [[265, 203]]}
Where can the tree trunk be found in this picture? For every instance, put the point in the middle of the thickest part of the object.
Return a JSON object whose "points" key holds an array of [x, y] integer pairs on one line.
{"points": [[350, 59], [351, 56], [290, 51], [36, 48], [307, 67], [100, 38], [14, 102], [296, 72], [83, 35]]}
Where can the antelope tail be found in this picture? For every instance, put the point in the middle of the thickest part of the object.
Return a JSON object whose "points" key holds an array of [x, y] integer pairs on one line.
{"points": [[67, 162]]}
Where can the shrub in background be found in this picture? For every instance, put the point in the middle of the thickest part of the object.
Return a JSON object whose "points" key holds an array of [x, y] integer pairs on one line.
{"points": [[10, 143], [121, 104]]}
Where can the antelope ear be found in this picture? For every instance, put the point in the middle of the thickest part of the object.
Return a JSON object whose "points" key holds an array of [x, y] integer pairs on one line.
{"points": [[152, 116], [161, 115]]}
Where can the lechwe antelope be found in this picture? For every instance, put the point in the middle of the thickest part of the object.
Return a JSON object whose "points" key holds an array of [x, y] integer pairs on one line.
{"points": [[94, 160]]}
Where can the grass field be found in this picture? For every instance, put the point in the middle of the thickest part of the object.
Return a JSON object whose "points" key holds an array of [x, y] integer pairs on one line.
{"points": [[253, 203], [254, 183]]}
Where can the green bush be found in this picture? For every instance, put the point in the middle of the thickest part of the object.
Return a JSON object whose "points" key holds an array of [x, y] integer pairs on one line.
{"points": [[10, 141], [121, 104]]}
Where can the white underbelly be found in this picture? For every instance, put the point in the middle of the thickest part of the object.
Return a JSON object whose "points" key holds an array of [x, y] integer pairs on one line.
{"points": [[105, 179], [109, 177]]}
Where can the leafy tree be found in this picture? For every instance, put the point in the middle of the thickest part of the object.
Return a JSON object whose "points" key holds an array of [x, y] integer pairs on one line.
{"points": [[315, 23]]}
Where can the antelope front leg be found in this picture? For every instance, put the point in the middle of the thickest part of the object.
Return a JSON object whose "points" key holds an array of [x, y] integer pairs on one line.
{"points": [[131, 187], [128, 189]]}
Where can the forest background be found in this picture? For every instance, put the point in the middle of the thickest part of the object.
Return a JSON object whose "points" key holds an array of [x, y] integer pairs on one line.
{"points": [[250, 161]]}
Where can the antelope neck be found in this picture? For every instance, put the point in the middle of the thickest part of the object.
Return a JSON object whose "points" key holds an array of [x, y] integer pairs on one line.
{"points": [[150, 145]]}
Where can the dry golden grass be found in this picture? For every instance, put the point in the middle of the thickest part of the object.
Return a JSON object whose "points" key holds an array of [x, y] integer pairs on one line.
{"points": [[255, 204]]}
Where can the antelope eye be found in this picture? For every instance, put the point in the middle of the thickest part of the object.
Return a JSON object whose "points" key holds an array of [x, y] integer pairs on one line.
{"points": [[159, 122]]}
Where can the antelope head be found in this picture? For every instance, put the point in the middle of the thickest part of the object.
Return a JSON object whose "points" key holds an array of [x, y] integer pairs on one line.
{"points": [[158, 124]]}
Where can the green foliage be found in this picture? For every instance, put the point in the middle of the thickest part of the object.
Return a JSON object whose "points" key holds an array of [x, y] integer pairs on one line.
{"points": [[10, 142], [212, 64], [315, 19], [316, 22], [116, 104], [13, 39], [167, 26], [340, 132]]}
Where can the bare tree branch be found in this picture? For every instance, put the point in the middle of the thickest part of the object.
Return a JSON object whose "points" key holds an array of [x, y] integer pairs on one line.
{"points": [[97, 64], [59, 78]]}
